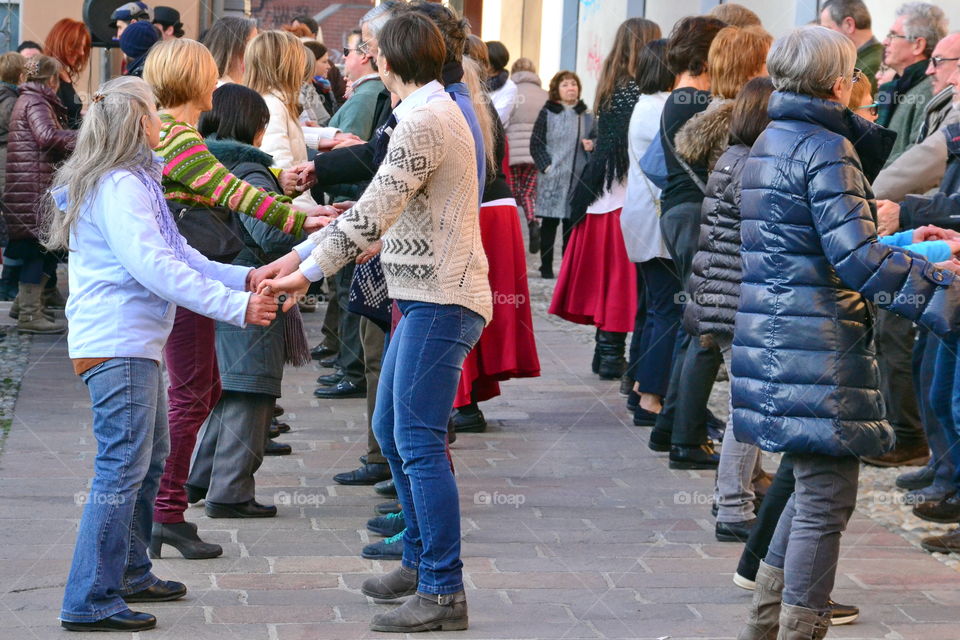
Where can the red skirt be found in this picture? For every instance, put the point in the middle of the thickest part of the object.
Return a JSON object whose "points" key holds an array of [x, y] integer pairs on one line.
{"points": [[506, 348], [597, 283]]}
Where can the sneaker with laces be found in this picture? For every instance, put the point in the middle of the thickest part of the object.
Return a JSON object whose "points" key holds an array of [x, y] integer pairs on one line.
{"points": [[387, 549], [388, 525]]}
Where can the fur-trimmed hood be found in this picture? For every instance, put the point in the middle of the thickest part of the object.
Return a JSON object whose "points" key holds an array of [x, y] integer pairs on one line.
{"points": [[706, 135], [231, 153]]}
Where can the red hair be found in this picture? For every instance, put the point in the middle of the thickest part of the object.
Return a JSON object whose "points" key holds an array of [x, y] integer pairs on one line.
{"points": [[69, 42]]}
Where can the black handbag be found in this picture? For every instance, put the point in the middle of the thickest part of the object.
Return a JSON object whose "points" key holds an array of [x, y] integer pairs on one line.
{"points": [[214, 232]]}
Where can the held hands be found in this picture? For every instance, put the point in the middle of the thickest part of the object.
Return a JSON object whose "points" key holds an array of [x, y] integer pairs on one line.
{"points": [[261, 310], [276, 269], [288, 289], [319, 217], [305, 175], [930, 232], [288, 181], [337, 140], [888, 217]]}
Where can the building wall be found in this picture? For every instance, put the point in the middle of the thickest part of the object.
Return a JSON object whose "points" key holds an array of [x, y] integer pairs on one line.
{"points": [[336, 19]]}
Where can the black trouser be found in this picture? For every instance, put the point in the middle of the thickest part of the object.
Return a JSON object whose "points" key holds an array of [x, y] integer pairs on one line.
{"points": [[548, 237], [767, 518], [894, 342], [684, 414], [350, 354], [36, 261]]}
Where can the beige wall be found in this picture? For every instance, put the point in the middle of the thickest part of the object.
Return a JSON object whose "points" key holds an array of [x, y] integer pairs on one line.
{"points": [[38, 16]]}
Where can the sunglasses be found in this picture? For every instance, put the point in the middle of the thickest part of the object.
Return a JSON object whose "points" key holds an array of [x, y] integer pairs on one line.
{"points": [[361, 48]]}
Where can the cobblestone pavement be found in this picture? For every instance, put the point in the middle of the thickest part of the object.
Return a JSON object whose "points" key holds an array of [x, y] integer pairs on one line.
{"points": [[572, 528]]}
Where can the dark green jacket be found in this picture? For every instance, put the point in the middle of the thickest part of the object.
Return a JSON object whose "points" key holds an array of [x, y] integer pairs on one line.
{"points": [[869, 59]]}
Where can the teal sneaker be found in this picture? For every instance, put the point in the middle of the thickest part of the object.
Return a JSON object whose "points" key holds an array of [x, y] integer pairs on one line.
{"points": [[388, 525], [387, 549]]}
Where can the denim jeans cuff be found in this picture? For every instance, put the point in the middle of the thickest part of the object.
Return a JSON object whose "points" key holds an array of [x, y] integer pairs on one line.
{"points": [[413, 566], [94, 617], [145, 582], [440, 590]]}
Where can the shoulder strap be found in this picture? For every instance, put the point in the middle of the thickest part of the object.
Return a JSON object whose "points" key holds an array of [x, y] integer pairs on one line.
{"points": [[690, 172]]}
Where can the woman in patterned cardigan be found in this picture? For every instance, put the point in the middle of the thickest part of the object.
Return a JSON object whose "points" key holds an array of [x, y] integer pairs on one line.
{"points": [[423, 204]]}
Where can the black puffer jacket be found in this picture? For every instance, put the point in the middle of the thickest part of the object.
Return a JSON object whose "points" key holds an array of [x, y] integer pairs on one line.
{"points": [[714, 284], [805, 375]]}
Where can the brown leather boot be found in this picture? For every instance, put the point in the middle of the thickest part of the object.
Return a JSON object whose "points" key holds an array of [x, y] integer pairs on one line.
{"points": [[398, 583], [799, 623], [425, 612]]}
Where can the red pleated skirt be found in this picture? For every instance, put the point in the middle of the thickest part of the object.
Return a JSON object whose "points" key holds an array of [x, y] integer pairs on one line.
{"points": [[507, 348], [597, 283]]}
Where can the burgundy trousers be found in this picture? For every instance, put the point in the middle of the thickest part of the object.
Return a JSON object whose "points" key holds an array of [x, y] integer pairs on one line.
{"points": [[191, 358]]}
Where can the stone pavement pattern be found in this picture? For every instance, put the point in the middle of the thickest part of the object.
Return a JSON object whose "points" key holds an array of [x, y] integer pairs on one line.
{"points": [[572, 528]]}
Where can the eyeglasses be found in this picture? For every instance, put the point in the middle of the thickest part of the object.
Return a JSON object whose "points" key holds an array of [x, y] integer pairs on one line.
{"points": [[893, 36], [872, 109], [857, 76], [938, 60]]}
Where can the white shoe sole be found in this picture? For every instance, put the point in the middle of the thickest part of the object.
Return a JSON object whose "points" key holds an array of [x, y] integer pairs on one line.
{"points": [[743, 583], [836, 622]]}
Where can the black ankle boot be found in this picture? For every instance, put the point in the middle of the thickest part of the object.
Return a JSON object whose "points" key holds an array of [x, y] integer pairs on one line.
{"points": [[611, 346], [183, 537], [595, 365]]}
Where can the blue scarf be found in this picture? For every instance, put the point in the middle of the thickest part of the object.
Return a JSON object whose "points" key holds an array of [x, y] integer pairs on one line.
{"points": [[151, 176]]}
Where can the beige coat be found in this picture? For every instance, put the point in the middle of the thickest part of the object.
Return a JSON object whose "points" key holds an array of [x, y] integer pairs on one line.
{"points": [[530, 99]]}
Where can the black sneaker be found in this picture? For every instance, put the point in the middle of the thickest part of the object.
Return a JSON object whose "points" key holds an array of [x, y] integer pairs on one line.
{"points": [[842, 613], [918, 479], [384, 508], [734, 531], [386, 549], [386, 488]]}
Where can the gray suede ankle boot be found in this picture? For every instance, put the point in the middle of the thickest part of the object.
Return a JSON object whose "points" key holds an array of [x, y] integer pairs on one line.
{"points": [[425, 612], [799, 623], [398, 583], [764, 619]]}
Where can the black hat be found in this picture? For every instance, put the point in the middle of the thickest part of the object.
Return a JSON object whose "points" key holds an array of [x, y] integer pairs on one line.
{"points": [[130, 11], [169, 17]]}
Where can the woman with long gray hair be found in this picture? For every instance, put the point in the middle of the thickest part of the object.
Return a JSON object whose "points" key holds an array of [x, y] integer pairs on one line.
{"points": [[805, 375], [129, 271]]}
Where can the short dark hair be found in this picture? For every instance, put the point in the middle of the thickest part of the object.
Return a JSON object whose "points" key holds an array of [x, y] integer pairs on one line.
{"points": [[689, 44], [413, 47], [452, 27], [316, 48], [554, 93], [653, 74], [499, 55], [750, 117], [29, 44], [239, 113], [308, 22], [856, 9]]}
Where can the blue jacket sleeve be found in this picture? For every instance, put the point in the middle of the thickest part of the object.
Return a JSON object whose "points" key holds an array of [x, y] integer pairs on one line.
{"points": [[131, 230], [897, 280], [940, 209]]}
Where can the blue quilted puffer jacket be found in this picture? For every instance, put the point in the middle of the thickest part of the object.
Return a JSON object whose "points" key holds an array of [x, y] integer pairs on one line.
{"points": [[804, 366]]}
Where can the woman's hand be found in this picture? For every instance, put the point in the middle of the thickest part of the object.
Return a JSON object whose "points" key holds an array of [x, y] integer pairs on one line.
{"points": [[346, 205], [888, 217], [289, 180], [261, 310], [288, 289], [276, 269], [587, 144], [337, 140], [367, 254]]}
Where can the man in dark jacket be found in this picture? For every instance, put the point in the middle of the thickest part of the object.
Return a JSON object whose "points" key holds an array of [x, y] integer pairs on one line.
{"points": [[805, 377]]}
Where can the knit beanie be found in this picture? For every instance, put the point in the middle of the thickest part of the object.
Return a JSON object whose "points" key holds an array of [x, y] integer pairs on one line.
{"points": [[137, 39]]}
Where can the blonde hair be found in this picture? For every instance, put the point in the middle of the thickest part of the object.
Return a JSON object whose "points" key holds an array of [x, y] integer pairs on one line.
{"points": [[481, 105], [276, 62], [179, 70], [112, 137], [736, 55]]}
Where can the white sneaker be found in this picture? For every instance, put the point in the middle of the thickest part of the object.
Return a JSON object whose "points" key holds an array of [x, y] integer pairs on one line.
{"points": [[744, 583]]}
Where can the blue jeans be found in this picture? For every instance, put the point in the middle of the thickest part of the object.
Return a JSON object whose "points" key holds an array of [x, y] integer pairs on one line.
{"points": [[924, 372], [418, 382], [130, 425], [945, 400]]}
